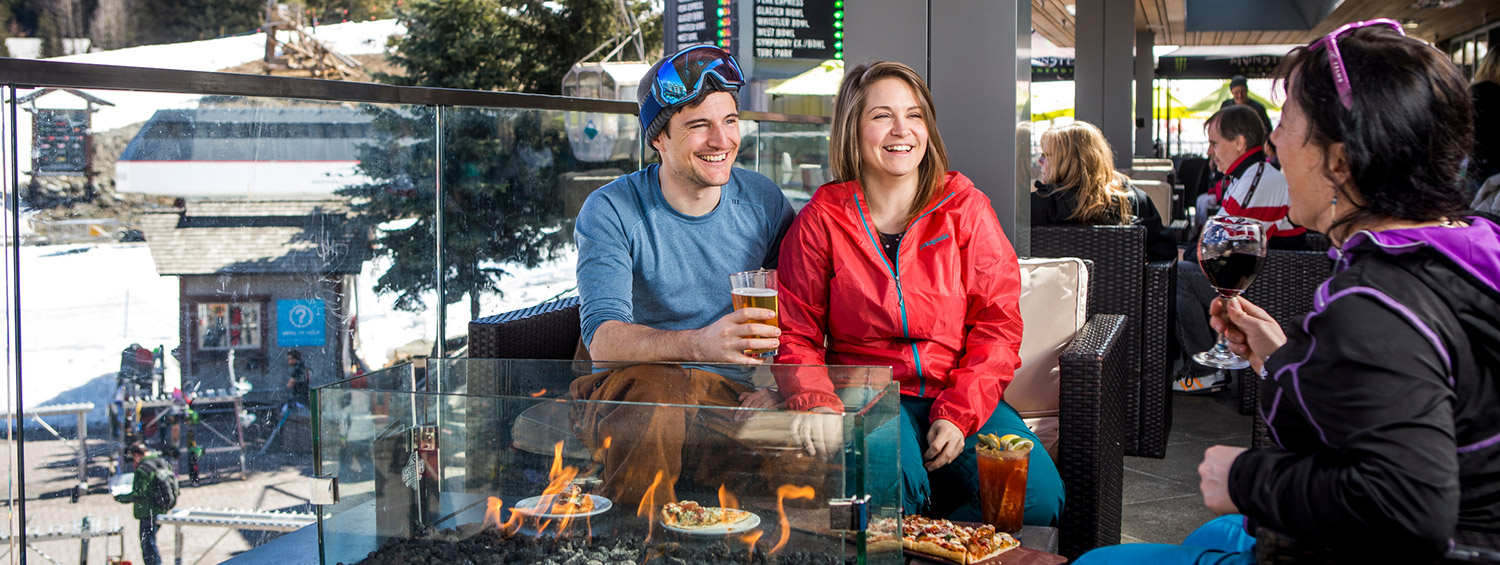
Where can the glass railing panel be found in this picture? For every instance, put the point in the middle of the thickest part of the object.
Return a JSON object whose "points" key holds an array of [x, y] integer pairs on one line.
{"points": [[213, 230], [794, 155], [516, 437], [514, 181], [178, 252]]}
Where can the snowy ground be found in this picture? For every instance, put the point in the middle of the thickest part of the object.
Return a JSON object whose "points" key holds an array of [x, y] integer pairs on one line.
{"points": [[82, 304]]}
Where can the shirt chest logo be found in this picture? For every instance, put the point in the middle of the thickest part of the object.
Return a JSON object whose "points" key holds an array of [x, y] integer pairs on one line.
{"points": [[934, 241]]}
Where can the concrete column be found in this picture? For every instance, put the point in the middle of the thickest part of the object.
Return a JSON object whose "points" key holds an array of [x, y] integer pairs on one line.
{"points": [[1145, 73], [1104, 32], [891, 30], [983, 102]]}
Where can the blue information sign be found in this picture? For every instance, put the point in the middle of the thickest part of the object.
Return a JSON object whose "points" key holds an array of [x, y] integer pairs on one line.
{"points": [[299, 323]]}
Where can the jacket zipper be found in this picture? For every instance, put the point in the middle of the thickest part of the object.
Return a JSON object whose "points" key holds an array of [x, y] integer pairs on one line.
{"points": [[894, 269]]}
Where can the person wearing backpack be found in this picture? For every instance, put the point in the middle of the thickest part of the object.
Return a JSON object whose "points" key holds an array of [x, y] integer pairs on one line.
{"points": [[153, 491]]}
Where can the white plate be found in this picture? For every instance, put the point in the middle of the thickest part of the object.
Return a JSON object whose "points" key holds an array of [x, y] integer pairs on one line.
{"points": [[749, 523], [527, 506]]}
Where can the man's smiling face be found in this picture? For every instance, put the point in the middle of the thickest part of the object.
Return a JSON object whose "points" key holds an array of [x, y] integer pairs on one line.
{"points": [[699, 144]]}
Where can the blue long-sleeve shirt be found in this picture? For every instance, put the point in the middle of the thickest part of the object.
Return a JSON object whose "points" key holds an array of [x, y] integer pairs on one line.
{"points": [[640, 261]]}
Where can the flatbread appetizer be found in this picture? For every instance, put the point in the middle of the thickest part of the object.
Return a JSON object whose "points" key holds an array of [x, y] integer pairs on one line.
{"points": [[689, 515], [945, 540], [572, 501]]}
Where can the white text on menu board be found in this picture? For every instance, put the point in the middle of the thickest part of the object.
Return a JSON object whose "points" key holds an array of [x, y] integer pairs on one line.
{"points": [[690, 21], [776, 22]]}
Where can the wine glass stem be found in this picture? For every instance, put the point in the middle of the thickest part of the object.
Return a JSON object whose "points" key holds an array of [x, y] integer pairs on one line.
{"points": [[1221, 347]]}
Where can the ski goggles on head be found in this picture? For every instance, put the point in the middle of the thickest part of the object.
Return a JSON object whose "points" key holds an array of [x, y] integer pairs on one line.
{"points": [[681, 78], [1336, 61]]}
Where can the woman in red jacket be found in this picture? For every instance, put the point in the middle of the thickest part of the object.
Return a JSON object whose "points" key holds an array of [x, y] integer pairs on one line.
{"points": [[903, 264]]}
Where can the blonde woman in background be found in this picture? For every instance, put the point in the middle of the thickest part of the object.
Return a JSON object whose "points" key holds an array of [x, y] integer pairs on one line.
{"points": [[1079, 186]]}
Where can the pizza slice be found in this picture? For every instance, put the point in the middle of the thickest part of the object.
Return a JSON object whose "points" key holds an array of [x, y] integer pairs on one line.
{"points": [[572, 500], [964, 545], [984, 542], [884, 534], [691, 515]]}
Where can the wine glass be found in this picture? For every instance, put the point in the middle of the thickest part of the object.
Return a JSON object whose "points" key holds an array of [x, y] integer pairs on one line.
{"points": [[1231, 252]]}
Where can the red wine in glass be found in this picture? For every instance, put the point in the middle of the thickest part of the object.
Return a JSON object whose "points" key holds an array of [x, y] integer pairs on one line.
{"points": [[1231, 251], [1231, 274]]}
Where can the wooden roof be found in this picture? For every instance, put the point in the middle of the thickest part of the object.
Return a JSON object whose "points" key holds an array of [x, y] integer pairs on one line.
{"points": [[255, 237], [1166, 18]]}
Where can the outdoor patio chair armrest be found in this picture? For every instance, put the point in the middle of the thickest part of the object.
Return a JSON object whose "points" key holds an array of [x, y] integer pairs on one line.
{"points": [[1090, 454], [1273, 548], [546, 331], [1158, 350]]}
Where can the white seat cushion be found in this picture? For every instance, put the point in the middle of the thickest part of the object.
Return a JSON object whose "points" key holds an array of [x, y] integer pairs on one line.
{"points": [[1054, 307]]}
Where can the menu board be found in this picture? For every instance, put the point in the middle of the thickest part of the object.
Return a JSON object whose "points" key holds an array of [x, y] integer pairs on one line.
{"points": [[695, 22], [798, 29], [60, 141]]}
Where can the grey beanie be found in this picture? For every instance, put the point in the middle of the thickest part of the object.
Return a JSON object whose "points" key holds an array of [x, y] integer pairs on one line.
{"points": [[1238, 80], [643, 92]]}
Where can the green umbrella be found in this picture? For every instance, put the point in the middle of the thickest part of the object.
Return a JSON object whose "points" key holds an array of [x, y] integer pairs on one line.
{"points": [[1210, 104]]}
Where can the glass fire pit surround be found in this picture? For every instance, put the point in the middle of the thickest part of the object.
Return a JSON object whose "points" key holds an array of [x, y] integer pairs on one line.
{"points": [[495, 461]]}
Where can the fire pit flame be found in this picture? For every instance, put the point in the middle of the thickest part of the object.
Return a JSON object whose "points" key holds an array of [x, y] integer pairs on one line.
{"points": [[727, 499], [784, 492], [750, 538], [559, 477], [492, 512], [647, 509]]}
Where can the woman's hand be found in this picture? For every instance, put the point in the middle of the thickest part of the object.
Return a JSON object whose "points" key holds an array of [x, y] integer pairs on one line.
{"points": [[1214, 474], [820, 432], [944, 442], [1252, 333]]}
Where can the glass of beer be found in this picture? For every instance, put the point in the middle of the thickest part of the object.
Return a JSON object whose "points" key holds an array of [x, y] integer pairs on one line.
{"points": [[1002, 487], [756, 289]]}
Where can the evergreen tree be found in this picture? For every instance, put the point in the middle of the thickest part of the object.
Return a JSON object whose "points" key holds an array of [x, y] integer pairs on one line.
{"points": [[335, 11], [501, 199], [510, 45], [6, 21], [49, 30], [176, 21]]}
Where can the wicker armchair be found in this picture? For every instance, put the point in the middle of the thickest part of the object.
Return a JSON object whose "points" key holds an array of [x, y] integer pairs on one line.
{"points": [[1276, 548], [1126, 285], [1089, 460], [1285, 288]]}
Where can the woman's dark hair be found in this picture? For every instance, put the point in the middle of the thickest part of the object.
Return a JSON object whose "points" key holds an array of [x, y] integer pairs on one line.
{"points": [[1235, 121], [294, 354], [1406, 133]]}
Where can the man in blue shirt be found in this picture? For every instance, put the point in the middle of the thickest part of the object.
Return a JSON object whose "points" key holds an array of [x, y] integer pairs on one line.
{"points": [[655, 251]]}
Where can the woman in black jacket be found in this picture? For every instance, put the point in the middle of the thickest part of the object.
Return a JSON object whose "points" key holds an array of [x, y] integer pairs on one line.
{"points": [[1080, 186], [1384, 402]]}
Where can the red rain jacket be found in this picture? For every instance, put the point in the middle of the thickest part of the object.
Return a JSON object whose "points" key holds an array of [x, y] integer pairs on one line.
{"points": [[946, 317]]}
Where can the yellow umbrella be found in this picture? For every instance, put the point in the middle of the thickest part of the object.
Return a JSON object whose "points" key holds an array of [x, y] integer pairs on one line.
{"points": [[1051, 100], [1046, 108], [1175, 109], [822, 80]]}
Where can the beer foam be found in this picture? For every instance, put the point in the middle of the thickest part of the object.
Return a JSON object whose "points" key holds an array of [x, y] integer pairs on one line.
{"points": [[747, 291]]}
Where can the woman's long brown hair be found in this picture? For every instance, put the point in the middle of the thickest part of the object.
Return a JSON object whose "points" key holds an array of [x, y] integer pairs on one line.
{"points": [[849, 105]]}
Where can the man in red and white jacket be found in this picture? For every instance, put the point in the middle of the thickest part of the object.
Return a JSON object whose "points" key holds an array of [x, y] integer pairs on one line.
{"points": [[1251, 188]]}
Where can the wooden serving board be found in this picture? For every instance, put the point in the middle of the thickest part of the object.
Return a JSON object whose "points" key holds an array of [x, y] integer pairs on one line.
{"points": [[1017, 556]]}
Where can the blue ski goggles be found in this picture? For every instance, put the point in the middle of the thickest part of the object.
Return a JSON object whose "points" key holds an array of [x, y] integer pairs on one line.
{"points": [[680, 80]]}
